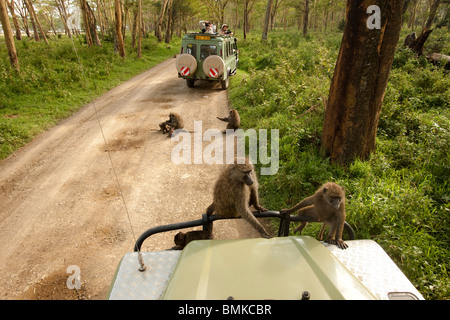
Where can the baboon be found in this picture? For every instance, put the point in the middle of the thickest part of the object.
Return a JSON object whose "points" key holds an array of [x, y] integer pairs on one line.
{"points": [[326, 205], [175, 122], [409, 39], [181, 239], [235, 191], [233, 120]]}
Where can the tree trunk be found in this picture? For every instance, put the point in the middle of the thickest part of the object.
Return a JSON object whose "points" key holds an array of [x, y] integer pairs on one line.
{"points": [[266, 20], [33, 23], [359, 81], [9, 38], [87, 29], [14, 17], [168, 36], [139, 23], [245, 18], [160, 21], [33, 13], [119, 36], [305, 18]]}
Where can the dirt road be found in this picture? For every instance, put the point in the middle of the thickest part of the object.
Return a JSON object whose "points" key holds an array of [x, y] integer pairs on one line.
{"points": [[60, 203]]}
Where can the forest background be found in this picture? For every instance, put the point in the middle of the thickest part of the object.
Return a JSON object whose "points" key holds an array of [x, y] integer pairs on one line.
{"points": [[398, 197]]}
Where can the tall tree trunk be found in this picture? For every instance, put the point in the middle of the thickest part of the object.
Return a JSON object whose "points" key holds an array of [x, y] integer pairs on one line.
{"points": [[359, 82], [87, 29], [305, 18], [9, 38], [119, 36], [168, 36], [266, 20], [92, 25], [33, 13], [139, 23], [14, 17], [245, 18], [160, 21], [33, 23]]}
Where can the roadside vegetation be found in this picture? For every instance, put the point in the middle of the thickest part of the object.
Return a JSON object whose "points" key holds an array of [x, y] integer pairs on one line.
{"points": [[398, 197], [57, 80]]}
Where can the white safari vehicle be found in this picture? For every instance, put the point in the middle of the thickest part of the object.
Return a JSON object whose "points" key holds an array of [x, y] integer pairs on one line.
{"points": [[284, 267]]}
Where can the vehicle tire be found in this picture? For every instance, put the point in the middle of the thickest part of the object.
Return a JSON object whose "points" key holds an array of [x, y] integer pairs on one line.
{"points": [[190, 83], [224, 83], [214, 62], [186, 60]]}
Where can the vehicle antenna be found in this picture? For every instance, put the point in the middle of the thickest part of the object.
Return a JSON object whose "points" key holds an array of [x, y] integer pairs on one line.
{"points": [[84, 79]]}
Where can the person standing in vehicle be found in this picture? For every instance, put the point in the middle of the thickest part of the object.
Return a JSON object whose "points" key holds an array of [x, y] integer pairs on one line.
{"points": [[224, 29]]}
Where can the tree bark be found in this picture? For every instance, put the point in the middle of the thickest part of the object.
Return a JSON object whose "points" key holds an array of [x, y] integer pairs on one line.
{"points": [[305, 18], [160, 21], [119, 36], [266, 20], [87, 29], [139, 23], [168, 36], [14, 17], [9, 38], [359, 81], [33, 13]]}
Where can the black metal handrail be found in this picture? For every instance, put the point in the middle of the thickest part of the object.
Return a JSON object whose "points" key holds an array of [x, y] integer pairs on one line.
{"points": [[206, 220]]}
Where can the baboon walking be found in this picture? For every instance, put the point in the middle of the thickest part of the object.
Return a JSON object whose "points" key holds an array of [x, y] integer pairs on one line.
{"points": [[235, 191], [326, 205]]}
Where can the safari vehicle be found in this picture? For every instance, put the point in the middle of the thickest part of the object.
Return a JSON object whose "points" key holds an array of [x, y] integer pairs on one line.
{"points": [[284, 267], [206, 56]]}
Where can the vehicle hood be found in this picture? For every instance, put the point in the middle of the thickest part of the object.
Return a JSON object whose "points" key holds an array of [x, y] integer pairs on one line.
{"points": [[277, 268]]}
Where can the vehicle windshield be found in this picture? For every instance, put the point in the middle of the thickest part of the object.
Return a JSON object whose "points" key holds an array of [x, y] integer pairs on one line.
{"points": [[207, 50]]}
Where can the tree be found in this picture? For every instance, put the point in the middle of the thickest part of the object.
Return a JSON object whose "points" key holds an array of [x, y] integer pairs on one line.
{"points": [[360, 78], [14, 17], [9, 38], [266, 20], [87, 29], [158, 29], [305, 18], [119, 36], [139, 23]]}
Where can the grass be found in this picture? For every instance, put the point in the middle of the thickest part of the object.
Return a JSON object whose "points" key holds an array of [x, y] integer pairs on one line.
{"points": [[57, 80], [399, 197]]}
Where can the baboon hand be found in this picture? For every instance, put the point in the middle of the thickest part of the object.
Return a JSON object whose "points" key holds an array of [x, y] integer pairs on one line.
{"points": [[339, 243], [267, 236]]}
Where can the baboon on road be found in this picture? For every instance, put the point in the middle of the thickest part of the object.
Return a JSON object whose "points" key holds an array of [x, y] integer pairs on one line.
{"points": [[326, 205], [233, 120], [235, 191], [175, 122]]}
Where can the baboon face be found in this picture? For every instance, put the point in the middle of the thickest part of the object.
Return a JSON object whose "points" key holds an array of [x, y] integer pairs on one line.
{"points": [[332, 197], [243, 173]]}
